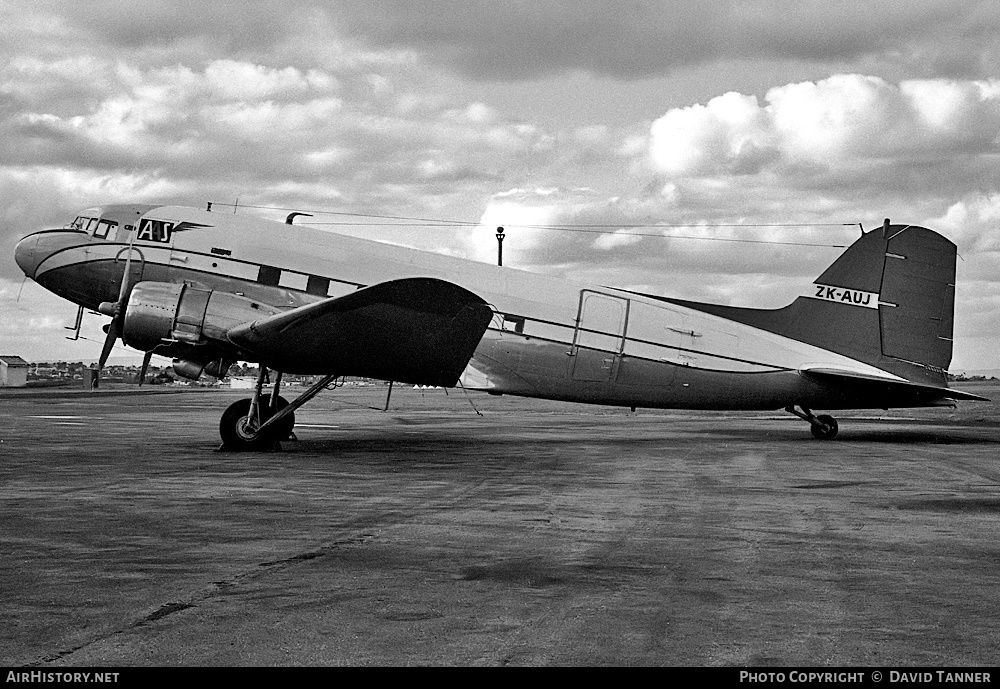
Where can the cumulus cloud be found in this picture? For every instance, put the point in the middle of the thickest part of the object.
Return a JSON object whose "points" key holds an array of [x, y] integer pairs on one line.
{"points": [[975, 223], [519, 212], [249, 124], [851, 146], [615, 239], [762, 192], [844, 119], [703, 138]]}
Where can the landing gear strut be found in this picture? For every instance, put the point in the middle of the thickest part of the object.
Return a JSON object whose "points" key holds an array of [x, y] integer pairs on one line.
{"points": [[823, 427], [260, 422]]}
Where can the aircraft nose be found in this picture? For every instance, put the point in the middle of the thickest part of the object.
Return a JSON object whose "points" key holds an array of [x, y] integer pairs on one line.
{"points": [[24, 255]]}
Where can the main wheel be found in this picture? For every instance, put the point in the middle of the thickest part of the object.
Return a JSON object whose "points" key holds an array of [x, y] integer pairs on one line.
{"points": [[828, 431], [239, 432], [283, 429]]}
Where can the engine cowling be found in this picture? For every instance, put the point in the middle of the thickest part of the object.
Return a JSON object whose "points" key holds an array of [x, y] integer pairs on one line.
{"points": [[163, 315]]}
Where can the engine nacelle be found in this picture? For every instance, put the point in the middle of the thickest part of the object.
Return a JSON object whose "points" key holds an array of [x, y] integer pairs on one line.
{"points": [[165, 313]]}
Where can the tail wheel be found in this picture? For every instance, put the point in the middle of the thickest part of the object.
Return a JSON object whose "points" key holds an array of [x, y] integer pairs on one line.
{"points": [[827, 428], [239, 431]]}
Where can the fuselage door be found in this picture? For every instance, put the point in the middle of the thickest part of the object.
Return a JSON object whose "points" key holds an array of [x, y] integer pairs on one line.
{"points": [[599, 337]]}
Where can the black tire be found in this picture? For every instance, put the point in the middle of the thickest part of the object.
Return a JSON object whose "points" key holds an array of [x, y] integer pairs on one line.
{"points": [[829, 429], [284, 427], [240, 436]]}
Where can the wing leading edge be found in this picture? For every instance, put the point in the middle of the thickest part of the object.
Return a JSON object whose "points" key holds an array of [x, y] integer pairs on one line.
{"points": [[422, 331]]}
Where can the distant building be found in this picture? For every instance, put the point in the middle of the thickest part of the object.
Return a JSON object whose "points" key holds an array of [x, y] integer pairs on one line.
{"points": [[13, 371]]}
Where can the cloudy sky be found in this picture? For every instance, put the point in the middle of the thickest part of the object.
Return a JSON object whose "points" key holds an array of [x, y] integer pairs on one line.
{"points": [[710, 119]]}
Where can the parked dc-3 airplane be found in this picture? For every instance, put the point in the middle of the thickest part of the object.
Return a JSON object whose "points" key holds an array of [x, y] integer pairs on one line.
{"points": [[209, 289]]}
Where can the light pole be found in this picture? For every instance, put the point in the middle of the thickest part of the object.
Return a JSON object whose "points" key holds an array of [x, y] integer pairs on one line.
{"points": [[499, 246]]}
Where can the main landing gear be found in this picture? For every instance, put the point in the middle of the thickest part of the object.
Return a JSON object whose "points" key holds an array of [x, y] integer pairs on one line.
{"points": [[264, 420], [823, 427]]}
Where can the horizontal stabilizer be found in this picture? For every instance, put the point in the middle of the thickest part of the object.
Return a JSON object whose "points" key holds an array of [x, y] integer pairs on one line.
{"points": [[887, 386], [416, 330]]}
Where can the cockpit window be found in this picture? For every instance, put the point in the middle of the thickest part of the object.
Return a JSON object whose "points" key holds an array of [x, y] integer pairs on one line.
{"points": [[80, 223], [94, 226]]}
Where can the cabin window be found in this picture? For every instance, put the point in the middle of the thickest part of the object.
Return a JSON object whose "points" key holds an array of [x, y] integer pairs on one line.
{"points": [[513, 323], [269, 275], [293, 280], [91, 225], [317, 285]]}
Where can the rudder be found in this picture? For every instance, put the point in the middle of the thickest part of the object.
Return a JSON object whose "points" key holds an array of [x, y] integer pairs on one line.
{"points": [[917, 298], [907, 273]]}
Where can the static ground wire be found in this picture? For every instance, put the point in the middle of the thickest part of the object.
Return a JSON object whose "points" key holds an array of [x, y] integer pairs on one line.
{"points": [[594, 228]]}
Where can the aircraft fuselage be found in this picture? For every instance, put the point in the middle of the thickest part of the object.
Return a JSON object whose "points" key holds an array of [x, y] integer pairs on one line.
{"points": [[549, 337]]}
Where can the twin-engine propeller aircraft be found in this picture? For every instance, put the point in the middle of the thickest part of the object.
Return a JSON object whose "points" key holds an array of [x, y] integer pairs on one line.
{"points": [[209, 289]]}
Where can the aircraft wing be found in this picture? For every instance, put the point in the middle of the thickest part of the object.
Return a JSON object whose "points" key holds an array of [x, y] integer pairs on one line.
{"points": [[889, 388], [416, 330]]}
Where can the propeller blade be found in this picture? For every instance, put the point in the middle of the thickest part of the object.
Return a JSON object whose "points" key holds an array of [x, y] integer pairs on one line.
{"points": [[116, 309], [125, 278], [109, 343], [145, 365]]}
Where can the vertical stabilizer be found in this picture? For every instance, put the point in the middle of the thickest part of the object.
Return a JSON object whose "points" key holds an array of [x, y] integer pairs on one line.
{"points": [[888, 301]]}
